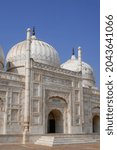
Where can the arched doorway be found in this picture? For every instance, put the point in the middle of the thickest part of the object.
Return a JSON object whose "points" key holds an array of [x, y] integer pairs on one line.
{"points": [[96, 124], [55, 122]]}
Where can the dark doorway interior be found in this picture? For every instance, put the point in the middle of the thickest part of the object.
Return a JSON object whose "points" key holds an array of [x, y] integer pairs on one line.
{"points": [[96, 124], [55, 122], [52, 126]]}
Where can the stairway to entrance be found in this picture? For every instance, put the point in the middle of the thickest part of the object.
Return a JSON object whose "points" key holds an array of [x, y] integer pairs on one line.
{"points": [[60, 139]]}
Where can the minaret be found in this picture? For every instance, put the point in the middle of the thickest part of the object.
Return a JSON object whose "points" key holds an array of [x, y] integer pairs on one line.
{"points": [[27, 87], [80, 59]]}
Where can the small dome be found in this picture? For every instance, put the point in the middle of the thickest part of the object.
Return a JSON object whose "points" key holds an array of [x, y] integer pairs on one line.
{"points": [[40, 52], [1, 59], [87, 71]]}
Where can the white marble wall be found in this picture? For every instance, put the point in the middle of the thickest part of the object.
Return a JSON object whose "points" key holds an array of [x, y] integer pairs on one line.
{"points": [[91, 99], [78, 105]]}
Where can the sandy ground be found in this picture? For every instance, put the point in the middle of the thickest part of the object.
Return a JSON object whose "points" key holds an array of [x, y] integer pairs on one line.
{"points": [[91, 146]]}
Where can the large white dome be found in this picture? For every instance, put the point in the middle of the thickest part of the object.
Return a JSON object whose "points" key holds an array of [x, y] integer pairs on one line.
{"points": [[40, 52], [1, 59], [87, 71]]}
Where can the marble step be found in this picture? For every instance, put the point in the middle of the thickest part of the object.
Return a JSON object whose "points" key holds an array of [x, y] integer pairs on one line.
{"points": [[53, 140]]}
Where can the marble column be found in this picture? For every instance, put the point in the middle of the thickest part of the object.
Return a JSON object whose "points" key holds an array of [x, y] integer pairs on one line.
{"points": [[27, 86], [81, 87]]}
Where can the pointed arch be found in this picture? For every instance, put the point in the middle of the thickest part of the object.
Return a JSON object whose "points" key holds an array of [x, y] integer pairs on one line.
{"points": [[96, 124]]}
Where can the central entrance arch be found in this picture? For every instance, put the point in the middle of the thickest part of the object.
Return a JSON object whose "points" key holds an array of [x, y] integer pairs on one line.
{"points": [[55, 122]]}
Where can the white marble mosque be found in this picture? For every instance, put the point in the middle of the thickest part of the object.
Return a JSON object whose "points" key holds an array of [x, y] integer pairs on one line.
{"points": [[41, 97]]}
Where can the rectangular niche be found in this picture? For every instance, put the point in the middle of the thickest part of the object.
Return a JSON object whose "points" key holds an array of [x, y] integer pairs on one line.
{"points": [[77, 109], [15, 98], [77, 95], [2, 94], [36, 77], [35, 89], [35, 120], [77, 120], [35, 106], [76, 84], [14, 115]]}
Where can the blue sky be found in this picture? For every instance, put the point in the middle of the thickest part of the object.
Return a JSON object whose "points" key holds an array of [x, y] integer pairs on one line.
{"points": [[64, 24]]}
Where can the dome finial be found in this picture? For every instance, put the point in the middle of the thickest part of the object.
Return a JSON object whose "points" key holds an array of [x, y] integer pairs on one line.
{"points": [[73, 51], [73, 54], [33, 31]]}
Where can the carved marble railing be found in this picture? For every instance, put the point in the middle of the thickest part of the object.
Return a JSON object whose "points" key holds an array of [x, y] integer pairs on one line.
{"points": [[11, 76], [55, 69]]}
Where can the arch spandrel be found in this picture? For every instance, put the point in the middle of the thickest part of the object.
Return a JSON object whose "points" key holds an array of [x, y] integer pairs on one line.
{"points": [[96, 111], [55, 94], [57, 102]]}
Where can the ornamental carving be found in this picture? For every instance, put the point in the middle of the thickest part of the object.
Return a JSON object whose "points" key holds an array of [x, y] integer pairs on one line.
{"points": [[57, 81], [57, 102], [9, 76], [51, 94], [96, 110], [2, 109], [55, 69], [2, 101]]}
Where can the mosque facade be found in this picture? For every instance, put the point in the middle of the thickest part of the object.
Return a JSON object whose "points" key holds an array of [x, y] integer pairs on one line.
{"points": [[39, 96]]}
